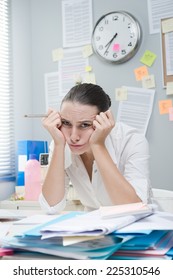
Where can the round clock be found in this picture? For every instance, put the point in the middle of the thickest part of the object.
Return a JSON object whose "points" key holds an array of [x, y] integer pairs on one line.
{"points": [[116, 36]]}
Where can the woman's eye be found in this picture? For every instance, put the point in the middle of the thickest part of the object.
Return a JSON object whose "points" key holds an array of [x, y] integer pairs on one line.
{"points": [[65, 123], [85, 125]]}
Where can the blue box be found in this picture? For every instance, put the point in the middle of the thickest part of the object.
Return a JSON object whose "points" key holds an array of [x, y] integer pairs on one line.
{"points": [[24, 149]]}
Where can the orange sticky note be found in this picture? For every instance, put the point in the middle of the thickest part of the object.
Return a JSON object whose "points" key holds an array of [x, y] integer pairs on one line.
{"points": [[141, 72], [164, 106]]}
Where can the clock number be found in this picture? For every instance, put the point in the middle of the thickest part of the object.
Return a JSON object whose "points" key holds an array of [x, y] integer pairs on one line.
{"points": [[132, 35], [106, 53], [130, 44], [101, 47], [97, 38], [101, 28], [115, 18], [123, 52], [115, 55], [106, 21], [129, 25]]}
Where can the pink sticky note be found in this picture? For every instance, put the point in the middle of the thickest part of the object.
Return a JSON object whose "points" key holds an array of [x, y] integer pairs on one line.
{"points": [[171, 113], [116, 47]]}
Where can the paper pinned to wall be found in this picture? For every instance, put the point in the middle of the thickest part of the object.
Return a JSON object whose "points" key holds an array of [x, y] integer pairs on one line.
{"points": [[136, 110], [158, 9], [169, 53], [52, 96], [77, 22], [70, 66]]}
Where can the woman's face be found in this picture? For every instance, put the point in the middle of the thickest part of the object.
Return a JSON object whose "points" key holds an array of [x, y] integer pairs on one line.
{"points": [[77, 125]]}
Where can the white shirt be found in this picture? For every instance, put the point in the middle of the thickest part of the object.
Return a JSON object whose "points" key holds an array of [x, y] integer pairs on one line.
{"points": [[129, 151]]}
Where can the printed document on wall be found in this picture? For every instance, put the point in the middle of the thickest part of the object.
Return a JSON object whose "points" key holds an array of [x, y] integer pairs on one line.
{"points": [[157, 10], [52, 96], [71, 67], [169, 52], [77, 22], [136, 110]]}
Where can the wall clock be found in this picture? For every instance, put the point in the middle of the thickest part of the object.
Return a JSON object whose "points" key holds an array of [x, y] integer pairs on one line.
{"points": [[116, 37]]}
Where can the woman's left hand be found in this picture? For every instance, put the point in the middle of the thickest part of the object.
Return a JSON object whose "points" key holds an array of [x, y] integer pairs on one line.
{"points": [[103, 124]]}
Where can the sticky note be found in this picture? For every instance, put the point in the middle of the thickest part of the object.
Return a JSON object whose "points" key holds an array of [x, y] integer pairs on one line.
{"points": [[171, 113], [77, 78], [141, 72], [87, 51], [169, 88], [57, 54], [116, 47], [148, 81], [90, 78], [167, 25], [120, 94], [164, 106], [88, 68], [148, 58]]}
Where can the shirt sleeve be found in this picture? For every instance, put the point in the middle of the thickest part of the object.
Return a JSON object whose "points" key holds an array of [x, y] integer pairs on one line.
{"points": [[136, 166]]}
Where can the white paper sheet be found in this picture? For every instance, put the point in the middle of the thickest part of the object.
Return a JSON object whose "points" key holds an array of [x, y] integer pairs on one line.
{"points": [[90, 224], [137, 109], [169, 53], [77, 22], [73, 64], [52, 93], [158, 9]]}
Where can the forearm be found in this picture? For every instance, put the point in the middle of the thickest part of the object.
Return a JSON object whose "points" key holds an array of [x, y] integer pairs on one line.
{"points": [[118, 188], [54, 184]]}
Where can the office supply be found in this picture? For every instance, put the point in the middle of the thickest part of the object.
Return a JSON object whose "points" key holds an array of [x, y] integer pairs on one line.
{"points": [[125, 209], [24, 149], [157, 221], [89, 224], [35, 116], [10, 215], [32, 179]]}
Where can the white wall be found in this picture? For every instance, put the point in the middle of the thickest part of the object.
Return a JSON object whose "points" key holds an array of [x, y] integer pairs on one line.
{"points": [[38, 30]]}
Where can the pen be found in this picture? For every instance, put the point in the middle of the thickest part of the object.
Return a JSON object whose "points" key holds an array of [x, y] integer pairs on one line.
{"points": [[35, 116]]}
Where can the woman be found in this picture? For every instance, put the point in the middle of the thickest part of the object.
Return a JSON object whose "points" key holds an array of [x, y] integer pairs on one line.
{"points": [[108, 161]]}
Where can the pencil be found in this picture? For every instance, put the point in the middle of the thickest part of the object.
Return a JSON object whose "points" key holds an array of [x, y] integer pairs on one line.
{"points": [[35, 116]]}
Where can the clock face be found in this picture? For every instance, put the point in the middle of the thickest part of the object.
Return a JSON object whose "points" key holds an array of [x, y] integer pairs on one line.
{"points": [[116, 37]]}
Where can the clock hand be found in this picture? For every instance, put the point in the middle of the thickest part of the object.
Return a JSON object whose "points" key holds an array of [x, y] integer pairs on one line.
{"points": [[108, 44]]}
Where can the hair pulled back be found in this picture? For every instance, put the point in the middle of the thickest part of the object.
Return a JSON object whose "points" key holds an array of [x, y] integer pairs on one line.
{"points": [[89, 94]]}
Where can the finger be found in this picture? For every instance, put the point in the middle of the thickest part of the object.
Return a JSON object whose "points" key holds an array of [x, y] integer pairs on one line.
{"points": [[110, 116]]}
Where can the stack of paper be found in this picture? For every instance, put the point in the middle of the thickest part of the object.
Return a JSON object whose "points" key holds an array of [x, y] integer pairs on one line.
{"points": [[80, 235], [152, 238], [76, 235]]}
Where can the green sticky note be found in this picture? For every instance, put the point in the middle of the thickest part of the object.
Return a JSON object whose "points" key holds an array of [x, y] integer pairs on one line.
{"points": [[148, 58]]}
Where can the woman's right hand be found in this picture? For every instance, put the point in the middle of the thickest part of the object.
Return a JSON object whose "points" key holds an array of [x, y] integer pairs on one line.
{"points": [[52, 124]]}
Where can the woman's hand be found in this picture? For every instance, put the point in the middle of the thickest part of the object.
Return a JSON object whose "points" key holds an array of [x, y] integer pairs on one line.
{"points": [[52, 124], [103, 124]]}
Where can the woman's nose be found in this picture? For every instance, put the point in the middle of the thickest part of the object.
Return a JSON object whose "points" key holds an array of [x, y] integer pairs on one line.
{"points": [[74, 137]]}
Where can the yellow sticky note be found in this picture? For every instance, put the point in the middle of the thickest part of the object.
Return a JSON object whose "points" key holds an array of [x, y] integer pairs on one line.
{"points": [[141, 72], [77, 78], [88, 68], [148, 81], [87, 51], [164, 106], [169, 88], [171, 113], [90, 78], [148, 58], [57, 54], [167, 25], [120, 94]]}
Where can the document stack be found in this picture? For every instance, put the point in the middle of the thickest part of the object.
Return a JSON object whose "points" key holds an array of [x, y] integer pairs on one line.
{"points": [[106, 233]]}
